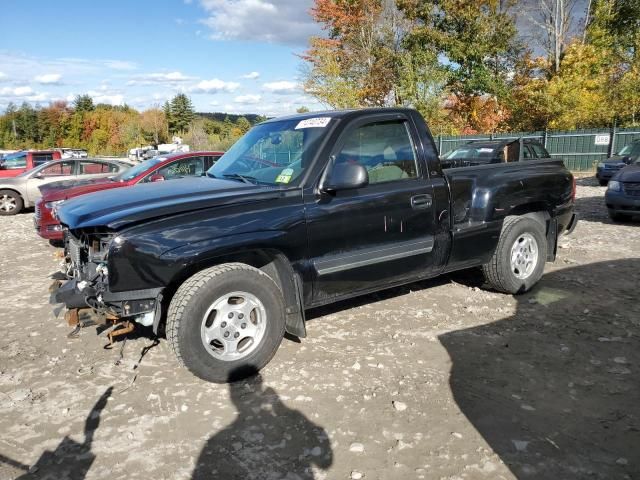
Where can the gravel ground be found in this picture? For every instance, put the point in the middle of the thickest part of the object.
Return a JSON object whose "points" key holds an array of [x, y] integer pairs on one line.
{"points": [[439, 379]]}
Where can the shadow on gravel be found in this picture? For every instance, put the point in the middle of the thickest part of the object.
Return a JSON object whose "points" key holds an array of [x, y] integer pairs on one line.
{"points": [[70, 460], [267, 439], [589, 181], [553, 390], [593, 209]]}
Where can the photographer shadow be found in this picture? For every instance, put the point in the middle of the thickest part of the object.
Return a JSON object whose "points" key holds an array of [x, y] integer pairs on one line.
{"points": [[266, 440], [553, 389], [70, 460]]}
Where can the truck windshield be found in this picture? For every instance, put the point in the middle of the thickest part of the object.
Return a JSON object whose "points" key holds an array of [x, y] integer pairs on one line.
{"points": [[136, 170], [274, 153]]}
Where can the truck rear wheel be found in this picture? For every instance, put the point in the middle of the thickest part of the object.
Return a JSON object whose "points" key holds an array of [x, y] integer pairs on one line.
{"points": [[518, 262], [10, 202], [226, 322]]}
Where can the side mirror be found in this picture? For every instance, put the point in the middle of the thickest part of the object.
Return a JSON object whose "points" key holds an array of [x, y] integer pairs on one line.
{"points": [[627, 159], [346, 176], [156, 177], [39, 175]]}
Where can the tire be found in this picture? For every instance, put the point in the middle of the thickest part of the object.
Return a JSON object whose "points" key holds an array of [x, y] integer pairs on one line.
{"points": [[500, 273], [10, 202], [198, 315], [603, 183], [618, 217]]}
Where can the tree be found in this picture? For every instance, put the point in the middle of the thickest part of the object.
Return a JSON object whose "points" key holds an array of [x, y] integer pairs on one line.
{"points": [[354, 66], [181, 113], [83, 103], [243, 125], [154, 125], [475, 43], [302, 109], [554, 21]]}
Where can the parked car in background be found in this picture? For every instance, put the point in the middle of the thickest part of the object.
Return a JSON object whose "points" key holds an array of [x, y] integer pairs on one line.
{"points": [[483, 152], [623, 193], [232, 260], [23, 190], [626, 156], [72, 152], [167, 167], [16, 163]]}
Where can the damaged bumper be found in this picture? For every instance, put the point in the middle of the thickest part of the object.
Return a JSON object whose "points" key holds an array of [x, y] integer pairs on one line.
{"points": [[141, 306]]}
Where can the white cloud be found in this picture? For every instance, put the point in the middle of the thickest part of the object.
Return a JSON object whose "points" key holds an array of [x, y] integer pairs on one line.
{"points": [[247, 99], [120, 64], [49, 79], [282, 88], [109, 99], [284, 21], [22, 94], [248, 76], [168, 78], [15, 91], [214, 86]]}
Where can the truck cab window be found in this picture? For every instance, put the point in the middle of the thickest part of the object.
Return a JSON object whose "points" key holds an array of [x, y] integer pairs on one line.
{"points": [[385, 149]]}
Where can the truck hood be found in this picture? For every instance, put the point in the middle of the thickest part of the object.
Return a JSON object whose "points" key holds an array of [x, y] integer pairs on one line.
{"points": [[628, 174], [116, 209], [72, 188]]}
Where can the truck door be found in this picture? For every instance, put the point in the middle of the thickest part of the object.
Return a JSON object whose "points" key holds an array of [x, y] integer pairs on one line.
{"points": [[382, 233]]}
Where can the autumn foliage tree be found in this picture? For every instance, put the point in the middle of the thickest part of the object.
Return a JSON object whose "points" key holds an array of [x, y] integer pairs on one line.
{"points": [[466, 67], [354, 65], [108, 130]]}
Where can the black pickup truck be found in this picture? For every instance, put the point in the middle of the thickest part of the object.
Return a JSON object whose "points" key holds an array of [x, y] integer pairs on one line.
{"points": [[303, 211]]}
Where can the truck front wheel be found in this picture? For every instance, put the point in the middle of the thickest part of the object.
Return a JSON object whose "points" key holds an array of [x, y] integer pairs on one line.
{"points": [[518, 262], [226, 322]]}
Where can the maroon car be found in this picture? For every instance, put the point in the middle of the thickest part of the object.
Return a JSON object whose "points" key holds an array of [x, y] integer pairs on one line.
{"points": [[157, 169]]}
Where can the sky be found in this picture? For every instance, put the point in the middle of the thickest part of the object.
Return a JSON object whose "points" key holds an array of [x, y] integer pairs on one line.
{"points": [[234, 56]]}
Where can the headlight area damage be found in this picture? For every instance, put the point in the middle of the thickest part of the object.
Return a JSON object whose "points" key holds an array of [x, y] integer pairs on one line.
{"points": [[83, 288]]}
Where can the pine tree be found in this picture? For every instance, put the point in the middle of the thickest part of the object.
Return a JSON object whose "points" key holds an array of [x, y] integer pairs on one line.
{"points": [[83, 103], [181, 113]]}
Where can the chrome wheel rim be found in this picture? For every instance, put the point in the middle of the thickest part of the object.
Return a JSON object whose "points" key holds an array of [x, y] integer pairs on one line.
{"points": [[7, 203], [524, 256], [233, 326]]}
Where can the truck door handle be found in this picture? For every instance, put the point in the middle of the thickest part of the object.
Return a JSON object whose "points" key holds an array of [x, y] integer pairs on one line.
{"points": [[421, 202]]}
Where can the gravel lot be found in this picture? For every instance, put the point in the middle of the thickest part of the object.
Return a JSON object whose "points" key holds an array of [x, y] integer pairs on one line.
{"points": [[439, 379]]}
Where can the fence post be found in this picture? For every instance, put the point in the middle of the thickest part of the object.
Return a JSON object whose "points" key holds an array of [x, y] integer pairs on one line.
{"points": [[612, 140], [439, 144], [545, 136]]}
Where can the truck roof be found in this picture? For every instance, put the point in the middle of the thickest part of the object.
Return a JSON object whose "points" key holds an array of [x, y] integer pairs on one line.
{"points": [[339, 113]]}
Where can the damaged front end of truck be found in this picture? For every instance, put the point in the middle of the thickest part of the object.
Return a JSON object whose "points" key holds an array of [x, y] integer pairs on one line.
{"points": [[82, 287]]}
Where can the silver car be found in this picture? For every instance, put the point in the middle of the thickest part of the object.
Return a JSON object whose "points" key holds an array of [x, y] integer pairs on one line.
{"points": [[23, 191]]}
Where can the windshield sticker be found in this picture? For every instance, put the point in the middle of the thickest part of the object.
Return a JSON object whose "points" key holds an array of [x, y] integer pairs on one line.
{"points": [[285, 176], [486, 150], [318, 122]]}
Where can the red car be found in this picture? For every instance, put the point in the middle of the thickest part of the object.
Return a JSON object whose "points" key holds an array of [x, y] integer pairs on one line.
{"points": [[14, 164], [157, 169]]}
